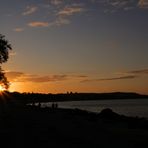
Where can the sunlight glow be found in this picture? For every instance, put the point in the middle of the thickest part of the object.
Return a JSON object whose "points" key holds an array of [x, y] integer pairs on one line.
{"points": [[2, 88]]}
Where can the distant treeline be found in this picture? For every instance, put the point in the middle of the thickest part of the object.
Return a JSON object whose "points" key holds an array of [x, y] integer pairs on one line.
{"points": [[39, 97]]}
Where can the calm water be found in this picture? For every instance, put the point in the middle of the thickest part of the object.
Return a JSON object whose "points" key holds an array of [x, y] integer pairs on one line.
{"points": [[130, 107]]}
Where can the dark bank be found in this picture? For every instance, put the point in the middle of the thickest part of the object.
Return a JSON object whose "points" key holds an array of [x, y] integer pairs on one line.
{"points": [[23, 125]]}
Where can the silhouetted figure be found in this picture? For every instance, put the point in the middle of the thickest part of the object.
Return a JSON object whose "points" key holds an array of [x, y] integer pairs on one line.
{"points": [[56, 105], [33, 103], [52, 106], [39, 105]]}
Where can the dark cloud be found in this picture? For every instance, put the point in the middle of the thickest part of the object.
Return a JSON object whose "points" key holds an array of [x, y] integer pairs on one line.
{"points": [[118, 78], [141, 71], [127, 75], [111, 79], [82, 76]]}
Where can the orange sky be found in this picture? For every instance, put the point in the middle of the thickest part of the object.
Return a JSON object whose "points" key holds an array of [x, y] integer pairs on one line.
{"points": [[78, 46]]}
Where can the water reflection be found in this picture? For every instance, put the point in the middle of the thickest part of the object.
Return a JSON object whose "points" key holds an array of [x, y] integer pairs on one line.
{"points": [[130, 107]]}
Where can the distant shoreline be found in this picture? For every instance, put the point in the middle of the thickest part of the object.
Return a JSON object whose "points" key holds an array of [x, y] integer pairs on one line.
{"points": [[26, 98]]}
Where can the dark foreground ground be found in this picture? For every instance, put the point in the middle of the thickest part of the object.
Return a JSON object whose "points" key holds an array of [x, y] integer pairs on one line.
{"points": [[31, 126]]}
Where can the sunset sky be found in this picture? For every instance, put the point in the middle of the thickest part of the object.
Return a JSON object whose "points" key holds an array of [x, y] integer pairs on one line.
{"points": [[76, 45]]}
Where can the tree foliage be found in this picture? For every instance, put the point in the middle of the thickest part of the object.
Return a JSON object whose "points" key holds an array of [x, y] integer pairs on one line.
{"points": [[5, 47]]}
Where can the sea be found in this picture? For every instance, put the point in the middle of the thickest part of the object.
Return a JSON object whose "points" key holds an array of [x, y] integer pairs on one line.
{"points": [[128, 107]]}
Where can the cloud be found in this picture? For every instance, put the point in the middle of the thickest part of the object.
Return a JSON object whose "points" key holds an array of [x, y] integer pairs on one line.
{"points": [[143, 3], [122, 76], [114, 5], [118, 78], [13, 75], [81, 76], [59, 21], [43, 79], [64, 13], [16, 76], [111, 79], [18, 29], [141, 71], [51, 78], [56, 2], [38, 24], [30, 10], [59, 11], [70, 10], [119, 3]]}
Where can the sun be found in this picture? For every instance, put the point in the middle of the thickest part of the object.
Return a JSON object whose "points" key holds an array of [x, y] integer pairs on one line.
{"points": [[2, 88]]}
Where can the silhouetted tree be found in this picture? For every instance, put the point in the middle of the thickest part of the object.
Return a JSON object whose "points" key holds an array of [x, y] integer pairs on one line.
{"points": [[4, 55], [3, 80]]}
